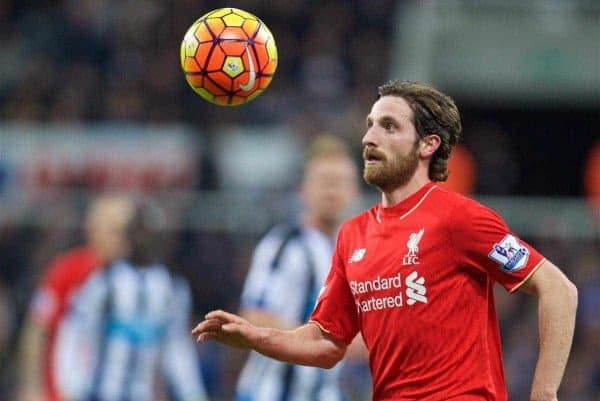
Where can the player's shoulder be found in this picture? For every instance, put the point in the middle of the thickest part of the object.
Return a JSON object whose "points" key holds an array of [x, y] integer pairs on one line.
{"points": [[74, 259], [463, 209], [449, 197], [68, 271], [75, 255], [453, 199]]}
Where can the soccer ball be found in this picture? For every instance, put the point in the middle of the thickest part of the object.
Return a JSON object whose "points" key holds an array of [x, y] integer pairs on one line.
{"points": [[228, 56]]}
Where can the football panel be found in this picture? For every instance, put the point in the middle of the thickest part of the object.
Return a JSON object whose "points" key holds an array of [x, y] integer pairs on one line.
{"points": [[204, 93], [216, 59], [217, 83], [189, 45], [203, 54], [222, 100], [254, 95], [202, 33], [249, 80], [222, 79], [233, 66], [219, 12], [268, 32], [261, 56], [243, 80], [215, 26], [229, 100], [263, 35], [233, 20], [250, 27], [182, 54], [233, 33], [190, 65], [195, 80], [272, 49], [233, 48], [237, 100], [244, 14], [270, 68]]}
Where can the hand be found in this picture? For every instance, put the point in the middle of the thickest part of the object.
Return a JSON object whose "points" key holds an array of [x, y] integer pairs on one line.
{"points": [[228, 329]]}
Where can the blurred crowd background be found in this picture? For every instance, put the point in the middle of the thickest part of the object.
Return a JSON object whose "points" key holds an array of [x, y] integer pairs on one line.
{"points": [[92, 99]]}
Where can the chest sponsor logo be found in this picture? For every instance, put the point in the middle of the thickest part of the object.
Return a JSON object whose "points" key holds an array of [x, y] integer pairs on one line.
{"points": [[509, 254], [357, 255], [409, 291], [415, 291], [412, 257]]}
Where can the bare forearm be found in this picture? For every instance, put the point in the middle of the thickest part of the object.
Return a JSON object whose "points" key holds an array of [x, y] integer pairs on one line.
{"points": [[263, 318], [286, 342], [303, 346], [556, 325], [307, 345]]}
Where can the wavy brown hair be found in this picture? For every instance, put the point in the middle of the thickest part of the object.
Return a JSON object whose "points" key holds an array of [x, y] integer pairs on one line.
{"points": [[433, 113]]}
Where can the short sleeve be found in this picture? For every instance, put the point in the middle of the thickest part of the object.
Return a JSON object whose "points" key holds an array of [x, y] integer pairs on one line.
{"points": [[335, 311], [483, 241]]}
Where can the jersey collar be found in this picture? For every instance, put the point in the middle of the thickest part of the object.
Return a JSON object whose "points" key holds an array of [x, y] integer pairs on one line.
{"points": [[405, 207]]}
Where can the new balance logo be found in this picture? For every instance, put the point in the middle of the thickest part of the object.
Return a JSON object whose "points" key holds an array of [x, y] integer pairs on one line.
{"points": [[357, 255], [416, 289]]}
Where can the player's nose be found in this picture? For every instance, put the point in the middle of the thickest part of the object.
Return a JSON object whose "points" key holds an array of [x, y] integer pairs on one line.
{"points": [[370, 138]]}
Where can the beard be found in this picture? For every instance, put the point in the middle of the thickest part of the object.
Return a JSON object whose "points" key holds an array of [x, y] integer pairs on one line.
{"points": [[390, 174]]}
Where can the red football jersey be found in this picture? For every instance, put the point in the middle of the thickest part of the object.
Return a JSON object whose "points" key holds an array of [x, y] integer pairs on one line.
{"points": [[64, 276], [416, 280]]}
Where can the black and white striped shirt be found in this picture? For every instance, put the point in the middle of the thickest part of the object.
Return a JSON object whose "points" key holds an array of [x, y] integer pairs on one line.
{"points": [[288, 269], [127, 327]]}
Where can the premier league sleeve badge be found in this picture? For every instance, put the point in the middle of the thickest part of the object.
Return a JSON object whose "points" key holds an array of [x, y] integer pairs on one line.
{"points": [[509, 254]]}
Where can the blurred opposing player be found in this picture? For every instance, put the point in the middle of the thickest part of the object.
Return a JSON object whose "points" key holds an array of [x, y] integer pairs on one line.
{"points": [[288, 267], [105, 225], [126, 334], [415, 274]]}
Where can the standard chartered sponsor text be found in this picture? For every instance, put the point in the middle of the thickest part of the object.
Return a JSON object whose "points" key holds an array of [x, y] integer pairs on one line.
{"points": [[379, 283]]}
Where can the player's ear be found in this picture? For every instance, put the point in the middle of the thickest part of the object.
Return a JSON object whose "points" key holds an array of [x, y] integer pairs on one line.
{"points": [[429, 144]]}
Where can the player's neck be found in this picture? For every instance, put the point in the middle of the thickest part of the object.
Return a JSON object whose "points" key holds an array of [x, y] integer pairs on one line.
{"points": [[397, 195]]}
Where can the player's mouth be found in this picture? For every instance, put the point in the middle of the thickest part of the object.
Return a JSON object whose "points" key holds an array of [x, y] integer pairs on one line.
{"points": [[372, 156]]}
